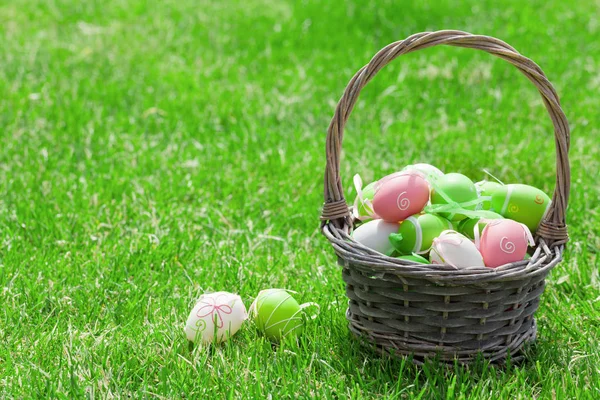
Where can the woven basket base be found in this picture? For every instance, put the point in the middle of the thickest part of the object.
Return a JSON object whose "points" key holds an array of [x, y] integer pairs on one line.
{"points": [[421, 352]]}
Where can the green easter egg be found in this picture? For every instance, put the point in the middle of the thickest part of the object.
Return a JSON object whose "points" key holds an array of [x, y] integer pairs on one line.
{"points": [[416, 258], [365, 209], [277, 314], [467, 225], [417, 232], [485, 189], [459, 189], [431, 173], [522, 203]]}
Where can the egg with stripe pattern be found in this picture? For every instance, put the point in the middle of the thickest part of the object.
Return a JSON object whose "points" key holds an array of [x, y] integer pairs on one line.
{"points": [[277, 314], [417, 232], [455, 188], [485, 189], [522, 203], [467, 225]]}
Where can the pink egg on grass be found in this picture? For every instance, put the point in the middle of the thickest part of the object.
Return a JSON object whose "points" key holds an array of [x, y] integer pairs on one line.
{"points": [[398, 197], [503, 241]]}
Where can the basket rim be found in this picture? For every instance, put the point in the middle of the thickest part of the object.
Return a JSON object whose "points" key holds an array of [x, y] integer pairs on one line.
{"points": [[353, 253]]}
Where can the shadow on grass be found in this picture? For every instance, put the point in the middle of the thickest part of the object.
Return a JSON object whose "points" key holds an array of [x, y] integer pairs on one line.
{"points": [[386, 374]]}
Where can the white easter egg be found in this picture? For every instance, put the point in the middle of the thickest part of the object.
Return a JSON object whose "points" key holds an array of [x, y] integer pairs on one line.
{"points": [[375, 235], [431, 173], [221, 314], [455, 249], [427, 169]]}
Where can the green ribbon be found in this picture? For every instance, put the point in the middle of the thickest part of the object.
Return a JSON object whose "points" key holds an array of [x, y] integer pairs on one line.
{"points": [[454, 208]]}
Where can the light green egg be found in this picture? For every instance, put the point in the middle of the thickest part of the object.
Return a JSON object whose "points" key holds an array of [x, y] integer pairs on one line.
{"points": [[459, 189], [416, 258], [277, 314], [522, 203], [417, 232], [467, 225], [364, 208], [485, 189], [431, 173]]}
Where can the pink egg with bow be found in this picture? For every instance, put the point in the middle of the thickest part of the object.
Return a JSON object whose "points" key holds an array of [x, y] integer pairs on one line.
{"points": [[503, 241], [399, 196]]}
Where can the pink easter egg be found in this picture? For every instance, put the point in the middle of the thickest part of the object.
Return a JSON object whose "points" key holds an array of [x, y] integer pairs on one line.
{"points": [[386, 178], [503, 241], [398, 197], [393, 175]]}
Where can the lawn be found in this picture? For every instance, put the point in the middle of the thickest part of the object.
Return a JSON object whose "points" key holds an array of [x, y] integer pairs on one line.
{"points": [[154, 151]]}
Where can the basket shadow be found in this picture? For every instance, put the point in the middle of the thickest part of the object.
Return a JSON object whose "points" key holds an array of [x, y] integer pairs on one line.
{"points": [[435, 373]]}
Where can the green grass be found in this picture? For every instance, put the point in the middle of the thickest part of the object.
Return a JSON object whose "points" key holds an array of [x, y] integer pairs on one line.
{"points": [[152, 151]]}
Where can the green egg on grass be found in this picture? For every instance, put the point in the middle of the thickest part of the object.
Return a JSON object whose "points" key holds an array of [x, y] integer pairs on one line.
{"points": [[416, 258], [277, 314], [416, 233], [485, 189], [459, 189], [522, 203], [467, 225]]}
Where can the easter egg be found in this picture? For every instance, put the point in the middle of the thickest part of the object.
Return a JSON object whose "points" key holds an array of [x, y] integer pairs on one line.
{"points": [[215, 317], [522, 203], [277, 314], [375, 235], [456, 188], [363, 204], [485, 189], [467, 225], [400, 197], [416, 258], [432, 173], [504, 241], [417, 232], [455, 249]]}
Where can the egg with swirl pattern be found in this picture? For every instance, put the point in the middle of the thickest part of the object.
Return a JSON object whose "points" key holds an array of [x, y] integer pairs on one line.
{"points": [[504, 241], [401, 196], [522, 203]]}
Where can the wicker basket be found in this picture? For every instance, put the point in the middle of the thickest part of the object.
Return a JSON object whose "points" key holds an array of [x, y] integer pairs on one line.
{"points": [[435, 310]]}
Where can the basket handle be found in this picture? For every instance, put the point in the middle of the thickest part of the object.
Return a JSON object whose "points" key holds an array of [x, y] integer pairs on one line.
{"points": [[335, 210]]}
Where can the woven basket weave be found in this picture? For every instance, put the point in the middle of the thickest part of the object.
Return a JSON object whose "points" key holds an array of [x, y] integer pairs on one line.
{"points": [[435, 310]]}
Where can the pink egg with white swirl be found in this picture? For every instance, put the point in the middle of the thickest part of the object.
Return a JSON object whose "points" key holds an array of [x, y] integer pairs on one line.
{"points": [[503, 241], [399, 196]]}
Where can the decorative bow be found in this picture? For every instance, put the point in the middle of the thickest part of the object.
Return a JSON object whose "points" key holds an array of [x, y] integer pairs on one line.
{"points": [[447, 237], [210, 308]]}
